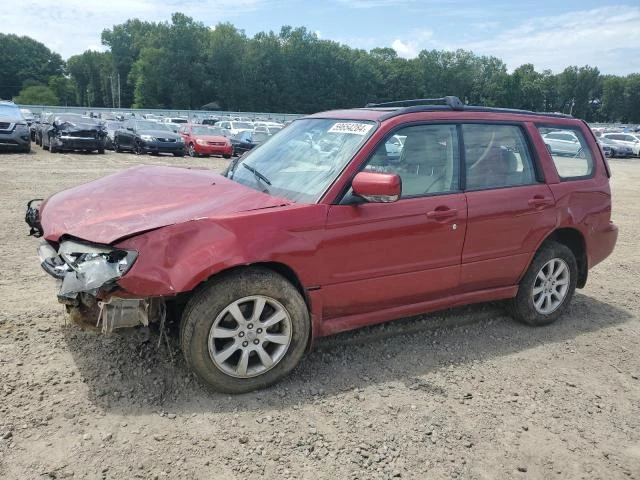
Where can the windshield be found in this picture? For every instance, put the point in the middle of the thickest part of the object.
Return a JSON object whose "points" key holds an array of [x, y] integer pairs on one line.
{"points": [[10, 112], [238, 125], [304, 159], [149, 125], [203, 131], [70, 117]]}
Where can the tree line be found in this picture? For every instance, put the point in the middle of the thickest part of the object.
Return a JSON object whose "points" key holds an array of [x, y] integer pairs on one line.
{"points": [[182, 64]]}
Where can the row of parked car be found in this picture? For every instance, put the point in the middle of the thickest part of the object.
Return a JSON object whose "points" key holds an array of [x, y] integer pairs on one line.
{"points": [[613, 144], [68, 131]]}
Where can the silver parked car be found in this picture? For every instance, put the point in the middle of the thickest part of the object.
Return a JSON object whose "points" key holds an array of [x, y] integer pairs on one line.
{"points": [[14, 130], [629, 139], [562, 142]]}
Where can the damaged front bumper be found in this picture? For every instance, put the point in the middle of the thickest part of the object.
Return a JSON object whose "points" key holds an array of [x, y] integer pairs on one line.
{"points": [[88, 275]]}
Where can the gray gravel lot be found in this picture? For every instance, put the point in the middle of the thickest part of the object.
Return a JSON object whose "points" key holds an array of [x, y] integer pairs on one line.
{"points": [[465, 393]]}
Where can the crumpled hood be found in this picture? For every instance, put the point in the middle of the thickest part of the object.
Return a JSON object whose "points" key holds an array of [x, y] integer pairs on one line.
{"points": [[144, 198]]}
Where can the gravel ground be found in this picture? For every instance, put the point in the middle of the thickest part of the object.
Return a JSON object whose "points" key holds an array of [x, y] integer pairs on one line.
{"points": [[465, 393]]}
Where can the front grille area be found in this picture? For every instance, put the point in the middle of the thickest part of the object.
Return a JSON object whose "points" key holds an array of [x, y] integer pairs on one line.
{"points": [[167, 140], [4, 125], [82, 134], [217, 144]]}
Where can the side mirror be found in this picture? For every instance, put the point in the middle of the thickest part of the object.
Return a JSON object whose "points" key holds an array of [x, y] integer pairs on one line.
{"points": [[130, 129], [377, 187]]}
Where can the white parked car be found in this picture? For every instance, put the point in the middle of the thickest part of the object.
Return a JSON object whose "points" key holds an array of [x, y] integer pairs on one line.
{"points": [[629, 139], [236, 127], [562, 142]]}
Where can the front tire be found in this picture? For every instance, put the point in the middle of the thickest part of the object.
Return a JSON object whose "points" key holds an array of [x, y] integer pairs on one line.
{"points": [[52, 147], [192, 150], [245, 330], [547, 287]]}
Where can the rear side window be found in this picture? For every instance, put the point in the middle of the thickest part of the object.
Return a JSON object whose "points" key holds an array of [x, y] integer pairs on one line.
{"points": [[496, 156], [569, 151]]}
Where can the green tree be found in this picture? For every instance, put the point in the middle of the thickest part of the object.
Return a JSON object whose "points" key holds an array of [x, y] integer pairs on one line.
{"points": [[64, 88], [23, 59], [37, 95]]}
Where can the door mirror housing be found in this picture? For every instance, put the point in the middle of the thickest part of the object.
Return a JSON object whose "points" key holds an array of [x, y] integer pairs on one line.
{"points": [[377, 187]]}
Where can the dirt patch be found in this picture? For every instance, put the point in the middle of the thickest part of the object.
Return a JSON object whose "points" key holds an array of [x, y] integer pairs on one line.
{"points": [[465, 393]]}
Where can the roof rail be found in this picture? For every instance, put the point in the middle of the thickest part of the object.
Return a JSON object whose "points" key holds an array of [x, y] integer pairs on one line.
{"points": [[451, 101]]}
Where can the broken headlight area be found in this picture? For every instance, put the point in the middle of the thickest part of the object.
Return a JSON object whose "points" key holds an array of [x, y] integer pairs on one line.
{"points": [[84, 268]]}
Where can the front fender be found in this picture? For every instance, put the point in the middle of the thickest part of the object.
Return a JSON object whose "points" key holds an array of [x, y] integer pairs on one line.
{"points": [[177, 258]]}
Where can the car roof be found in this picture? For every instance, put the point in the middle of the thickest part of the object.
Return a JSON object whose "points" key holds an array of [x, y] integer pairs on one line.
{"points": [[382, 111]]}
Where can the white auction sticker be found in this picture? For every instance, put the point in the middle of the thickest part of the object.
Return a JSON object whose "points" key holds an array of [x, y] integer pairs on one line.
{"points": [[356, 128]]}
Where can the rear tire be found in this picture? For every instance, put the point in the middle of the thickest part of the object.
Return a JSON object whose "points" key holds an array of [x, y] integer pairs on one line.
{"points": [[547, 287], [52, 147], [223, 316]]}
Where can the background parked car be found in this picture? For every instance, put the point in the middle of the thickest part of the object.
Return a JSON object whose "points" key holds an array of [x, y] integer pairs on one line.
{"points": [[146, 136], [235, 127], [628, 139], [70, 131], [204, 140], [562, 142], [246, 140], [14, 131], [614, 148], [111, 127]]}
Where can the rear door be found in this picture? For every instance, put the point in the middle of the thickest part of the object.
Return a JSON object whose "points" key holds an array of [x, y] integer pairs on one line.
{"points": [[510, 208], [383, 255]]}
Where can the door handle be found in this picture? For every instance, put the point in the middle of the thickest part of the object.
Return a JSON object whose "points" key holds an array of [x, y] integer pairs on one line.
{"points": [[539, 201], [442, 214]]}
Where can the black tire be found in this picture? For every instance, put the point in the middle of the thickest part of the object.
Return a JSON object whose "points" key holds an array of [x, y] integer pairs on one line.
{"points": [[192, 150], [522, 307], [27, 149], [213, 298], [116, 146], [137, 149], [101, 150], [178, 154], [44, 147], [226, 156], [52, 147]]}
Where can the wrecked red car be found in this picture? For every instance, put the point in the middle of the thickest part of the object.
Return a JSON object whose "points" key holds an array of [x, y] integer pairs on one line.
{"points": [[344, 219]]}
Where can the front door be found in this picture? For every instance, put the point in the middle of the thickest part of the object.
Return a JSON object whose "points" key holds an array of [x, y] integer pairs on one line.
{"points": [[383, 255]]}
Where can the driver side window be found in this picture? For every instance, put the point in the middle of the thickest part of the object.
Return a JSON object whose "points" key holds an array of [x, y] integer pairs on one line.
{"points": [[424, 156]]}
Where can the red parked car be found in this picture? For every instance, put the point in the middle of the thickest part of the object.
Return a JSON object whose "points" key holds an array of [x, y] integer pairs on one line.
{"points": [[202, 140], [320, 230]]}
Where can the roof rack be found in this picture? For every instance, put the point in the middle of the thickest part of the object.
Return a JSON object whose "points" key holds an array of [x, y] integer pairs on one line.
{"points": [[451, 101]]}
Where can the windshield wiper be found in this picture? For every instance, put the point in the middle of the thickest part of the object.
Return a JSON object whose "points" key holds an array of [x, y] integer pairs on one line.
{"points": [[257, 174]]}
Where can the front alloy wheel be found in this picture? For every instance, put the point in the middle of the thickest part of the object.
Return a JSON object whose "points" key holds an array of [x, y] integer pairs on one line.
{"points": [[250, 336], [244, 330]]}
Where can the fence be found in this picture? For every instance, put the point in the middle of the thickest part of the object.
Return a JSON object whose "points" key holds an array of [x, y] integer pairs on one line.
{"points": [[191, 114]]}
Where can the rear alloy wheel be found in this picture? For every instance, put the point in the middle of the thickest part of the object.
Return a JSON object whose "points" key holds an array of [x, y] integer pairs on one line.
{"points": [[245, 330], [192, 150], [547, 287]]}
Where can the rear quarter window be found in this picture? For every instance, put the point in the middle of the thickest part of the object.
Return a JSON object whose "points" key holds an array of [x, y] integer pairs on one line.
{"points": [[569, 150]]}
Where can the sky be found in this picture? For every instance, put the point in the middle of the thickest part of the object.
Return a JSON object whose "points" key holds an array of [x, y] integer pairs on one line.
{"points": [[550, 34]]}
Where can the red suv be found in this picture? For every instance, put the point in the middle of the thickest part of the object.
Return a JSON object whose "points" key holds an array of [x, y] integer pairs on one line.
{"points": [[345, 218]]}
